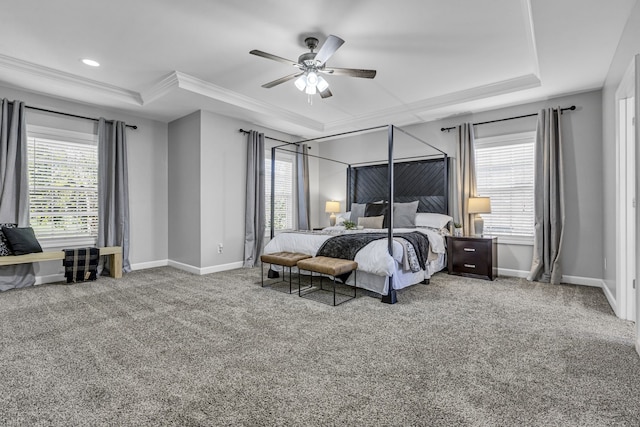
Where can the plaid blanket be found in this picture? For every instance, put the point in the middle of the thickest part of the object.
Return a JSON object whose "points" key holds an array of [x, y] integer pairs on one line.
{"points": [[80, 264]]}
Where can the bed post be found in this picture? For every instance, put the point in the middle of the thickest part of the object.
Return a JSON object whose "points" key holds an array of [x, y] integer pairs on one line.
{"points": [[349, 195], [446, 184], [273, 183], [390, 298]]}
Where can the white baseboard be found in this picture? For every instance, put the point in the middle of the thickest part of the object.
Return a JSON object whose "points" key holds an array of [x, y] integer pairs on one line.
{"points": [[204, 270], [223, 267], [583, 281], [59, 277], [512, 273], [610, 298], [51, 278], [571, 280], [150, 264]]}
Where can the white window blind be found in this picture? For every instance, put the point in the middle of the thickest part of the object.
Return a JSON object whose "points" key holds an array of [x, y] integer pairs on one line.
{"points": [[504, 172], [284, 198], [63, 184]]}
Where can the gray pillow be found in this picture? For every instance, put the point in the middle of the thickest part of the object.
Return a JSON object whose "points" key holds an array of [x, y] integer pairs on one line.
{"points": [[404, 214], [357, 211], [22, 240]]}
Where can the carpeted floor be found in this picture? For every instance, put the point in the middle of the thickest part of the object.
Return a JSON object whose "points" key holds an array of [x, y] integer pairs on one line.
{"points": [[163, 347]]}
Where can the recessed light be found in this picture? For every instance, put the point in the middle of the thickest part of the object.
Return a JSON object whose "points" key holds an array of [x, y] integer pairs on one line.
{"points": [[90, 62]]}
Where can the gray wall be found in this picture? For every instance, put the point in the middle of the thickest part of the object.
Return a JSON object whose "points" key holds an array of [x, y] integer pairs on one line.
{"points": [[184, 190], [582, 254], [628, 46], [147, 155], [207, 187]]}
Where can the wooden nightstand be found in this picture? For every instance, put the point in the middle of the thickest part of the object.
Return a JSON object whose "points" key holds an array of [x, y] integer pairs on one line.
{"points": [[473, 256]]}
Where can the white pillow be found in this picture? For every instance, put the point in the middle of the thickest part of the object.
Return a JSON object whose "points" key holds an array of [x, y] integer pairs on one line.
{"points": [[342, 217], [433, 220]]}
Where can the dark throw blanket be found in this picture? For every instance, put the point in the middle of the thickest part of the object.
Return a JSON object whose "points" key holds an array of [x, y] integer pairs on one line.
{"points": [[346, 246], [81, 264]]}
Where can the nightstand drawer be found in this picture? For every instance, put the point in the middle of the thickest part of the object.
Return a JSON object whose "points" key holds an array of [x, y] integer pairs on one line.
{"points": [[470, 248], [471, 265]]}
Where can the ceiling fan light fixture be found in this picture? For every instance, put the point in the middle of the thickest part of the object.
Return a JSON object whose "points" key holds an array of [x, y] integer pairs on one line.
{"points": [[310, 90], [322, 84], [312, 78], [301, 82]]}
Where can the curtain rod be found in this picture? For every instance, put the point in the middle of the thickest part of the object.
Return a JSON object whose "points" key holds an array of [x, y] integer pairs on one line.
{"points": [[73, 115], [573, 107], [268, 137]]}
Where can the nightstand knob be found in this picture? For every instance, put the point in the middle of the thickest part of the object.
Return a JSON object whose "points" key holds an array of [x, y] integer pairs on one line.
{"points": [[469, 250], [470, 265]]}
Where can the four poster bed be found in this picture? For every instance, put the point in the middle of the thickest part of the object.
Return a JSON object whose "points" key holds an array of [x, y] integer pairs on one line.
{"points": [[412, 196]]}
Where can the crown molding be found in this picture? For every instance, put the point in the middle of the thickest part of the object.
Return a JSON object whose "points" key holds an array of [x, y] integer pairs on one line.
{"points": [[527, 81], [210, 90], [161, 88], [62, 78], [531, 36]]}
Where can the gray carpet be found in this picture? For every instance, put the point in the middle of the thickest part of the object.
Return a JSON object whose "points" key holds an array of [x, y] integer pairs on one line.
{"points": [[163, 347]]}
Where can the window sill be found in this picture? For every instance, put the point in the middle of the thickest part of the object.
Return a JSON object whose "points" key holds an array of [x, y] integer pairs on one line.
{"points": [[67, 243], [514, 240]]}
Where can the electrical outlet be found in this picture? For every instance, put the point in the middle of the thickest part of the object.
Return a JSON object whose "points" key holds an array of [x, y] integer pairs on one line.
{"points": [[220, 248]]}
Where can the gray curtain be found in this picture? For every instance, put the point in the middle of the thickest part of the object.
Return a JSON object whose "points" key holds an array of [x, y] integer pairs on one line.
{"points": [[465, 183], [302, 183], [113, 191], [549, 198], [254, 224], [14, 186]]}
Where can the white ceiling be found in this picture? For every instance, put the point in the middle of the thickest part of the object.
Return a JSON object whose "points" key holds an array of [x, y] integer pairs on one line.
{"points": [[164, 59]]}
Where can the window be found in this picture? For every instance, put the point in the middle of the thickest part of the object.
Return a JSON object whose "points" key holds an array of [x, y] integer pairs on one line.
{"points": [[63, 185], [504, 172], [284, 188]]}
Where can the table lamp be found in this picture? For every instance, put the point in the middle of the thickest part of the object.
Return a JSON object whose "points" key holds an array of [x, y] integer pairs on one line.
{"points": [[332, 207], [479, 205]]}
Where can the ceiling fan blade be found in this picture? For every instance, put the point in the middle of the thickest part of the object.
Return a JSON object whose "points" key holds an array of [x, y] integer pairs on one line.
{"points": [[352, 72], [329, 47], [274, 57], [326, 93], [281, 80]]}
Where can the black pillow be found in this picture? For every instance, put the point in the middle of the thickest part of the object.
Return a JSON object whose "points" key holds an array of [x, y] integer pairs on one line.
{"points": [[22, 240], [377, 209], [4, 245]]}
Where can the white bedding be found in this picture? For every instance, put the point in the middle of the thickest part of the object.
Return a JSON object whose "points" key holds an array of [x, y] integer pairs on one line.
{"points": [[375, 265]]}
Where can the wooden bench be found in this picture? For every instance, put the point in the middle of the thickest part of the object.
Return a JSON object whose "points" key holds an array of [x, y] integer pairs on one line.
{"points": [[329, 266], [285, 259], [114, 253]]}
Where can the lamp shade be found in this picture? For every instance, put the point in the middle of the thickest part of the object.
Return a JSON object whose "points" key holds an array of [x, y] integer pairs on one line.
{"points": [[332, 206], [479, 205]]}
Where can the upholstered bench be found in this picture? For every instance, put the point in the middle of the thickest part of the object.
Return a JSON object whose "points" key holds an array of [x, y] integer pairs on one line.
{"points": [[284, 259], [331, 267]]}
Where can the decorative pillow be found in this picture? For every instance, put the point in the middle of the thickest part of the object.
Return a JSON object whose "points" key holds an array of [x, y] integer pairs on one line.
{"points": [[342, 217], [433, 220], [22, 240], [371, 222], [404, 214], [375, 209], [4, 245], [357, 210]]}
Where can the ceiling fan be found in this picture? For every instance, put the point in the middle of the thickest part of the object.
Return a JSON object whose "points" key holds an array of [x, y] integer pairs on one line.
{"points": [[311, 64]]}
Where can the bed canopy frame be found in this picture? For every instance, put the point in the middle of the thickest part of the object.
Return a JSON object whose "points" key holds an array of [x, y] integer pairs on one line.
{"points": [[424, 178]]}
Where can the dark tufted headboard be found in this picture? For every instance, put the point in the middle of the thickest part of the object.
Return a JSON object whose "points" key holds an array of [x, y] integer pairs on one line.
{"points": [[422, 180]]}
